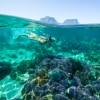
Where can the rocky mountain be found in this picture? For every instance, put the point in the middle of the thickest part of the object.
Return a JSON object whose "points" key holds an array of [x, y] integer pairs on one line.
{"points": [[52, 20], [70, 22], [48, 20]]}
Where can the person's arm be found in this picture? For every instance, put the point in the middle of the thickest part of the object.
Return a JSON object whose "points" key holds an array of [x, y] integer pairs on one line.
{"points": [[21, 35]]}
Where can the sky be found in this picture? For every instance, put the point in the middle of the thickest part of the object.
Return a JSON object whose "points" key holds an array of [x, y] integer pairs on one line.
{"points": [[86, 11]]}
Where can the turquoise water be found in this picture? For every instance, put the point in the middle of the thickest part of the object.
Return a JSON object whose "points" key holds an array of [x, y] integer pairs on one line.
{"points": [[79, 42]]}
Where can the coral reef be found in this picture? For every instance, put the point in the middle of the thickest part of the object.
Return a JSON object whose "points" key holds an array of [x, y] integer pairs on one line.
{"points": [[59, 78]]}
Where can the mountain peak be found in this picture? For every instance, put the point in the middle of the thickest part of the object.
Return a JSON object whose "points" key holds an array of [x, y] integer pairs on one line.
{"points": [[52, 20], [48, 20], [70, 22]]}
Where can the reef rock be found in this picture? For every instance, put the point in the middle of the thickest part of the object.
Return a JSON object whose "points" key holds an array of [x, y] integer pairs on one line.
{"points": [[5, 69], [48, 20], [71, 22], [56, 77]]}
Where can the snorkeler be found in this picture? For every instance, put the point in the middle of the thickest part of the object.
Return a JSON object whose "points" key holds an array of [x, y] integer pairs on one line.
{"points": [[41, 39]]}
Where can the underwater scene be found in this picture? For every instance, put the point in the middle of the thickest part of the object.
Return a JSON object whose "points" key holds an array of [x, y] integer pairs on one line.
{"points": [[48, 62]]}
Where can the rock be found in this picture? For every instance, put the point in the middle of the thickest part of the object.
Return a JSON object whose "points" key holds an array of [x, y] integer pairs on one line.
{"points": [[60, 88], [55, 75], [60, 97], [51, 62], [71, 22], [48, 20], [72, 92], [5, 69], [23, 66], [96, 85], [31, 71], [76, 82], [13, 74], [47, 97], [76, 65], [3, 98]]}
